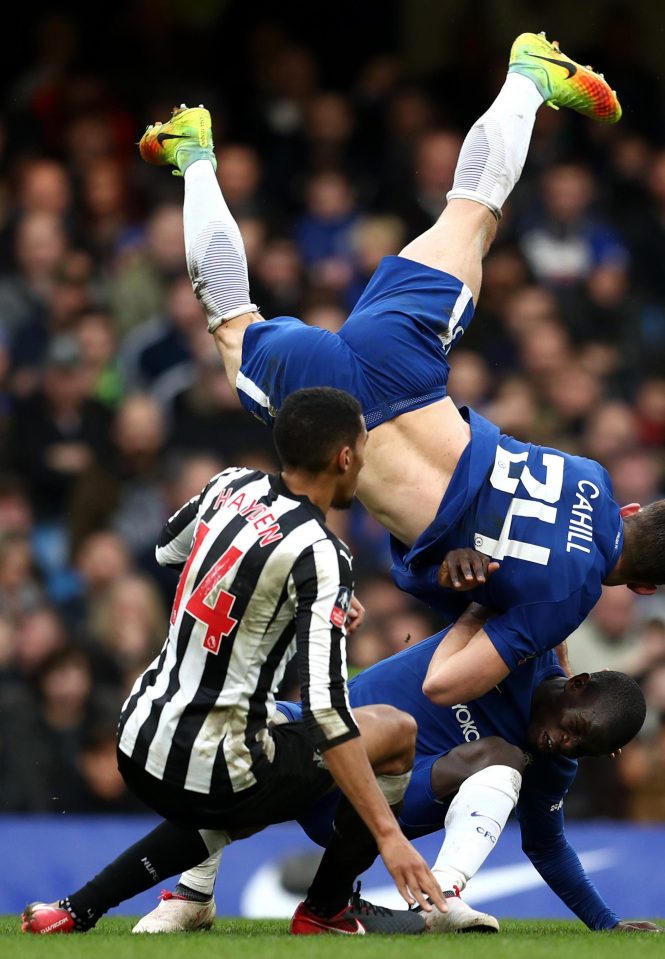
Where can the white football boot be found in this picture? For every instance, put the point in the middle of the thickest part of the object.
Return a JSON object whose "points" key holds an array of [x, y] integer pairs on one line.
{"points": [[459, 918], [175, 914]]}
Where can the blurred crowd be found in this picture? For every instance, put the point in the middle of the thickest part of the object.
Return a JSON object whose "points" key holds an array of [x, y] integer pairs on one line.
{"points": [[114, 409]]}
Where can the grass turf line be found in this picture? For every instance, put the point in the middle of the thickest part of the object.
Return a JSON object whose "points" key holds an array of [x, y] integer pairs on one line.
{"points": [[256, 939]]}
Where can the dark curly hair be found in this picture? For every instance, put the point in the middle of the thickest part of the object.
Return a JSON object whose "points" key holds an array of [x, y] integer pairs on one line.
{"points": [[619, 704], [313, 424]]}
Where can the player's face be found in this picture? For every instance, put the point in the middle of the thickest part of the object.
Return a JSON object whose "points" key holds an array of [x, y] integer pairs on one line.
{"points": [[570, 730], [348, 483]]}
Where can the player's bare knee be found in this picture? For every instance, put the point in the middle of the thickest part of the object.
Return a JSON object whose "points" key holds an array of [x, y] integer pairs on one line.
{"points": [[398, 731], [407, 733]]}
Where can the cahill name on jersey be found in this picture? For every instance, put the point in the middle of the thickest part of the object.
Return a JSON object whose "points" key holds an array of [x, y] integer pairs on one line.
{"points": [[548, 517]]}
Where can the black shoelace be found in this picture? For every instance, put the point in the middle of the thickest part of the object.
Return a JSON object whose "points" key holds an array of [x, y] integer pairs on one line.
{"points": [[367, 908], [447, 894]]}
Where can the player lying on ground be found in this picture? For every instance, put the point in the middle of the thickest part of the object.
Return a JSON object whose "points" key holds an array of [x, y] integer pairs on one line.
{"points": [[436, 477], [262, 577], [471, 770]]}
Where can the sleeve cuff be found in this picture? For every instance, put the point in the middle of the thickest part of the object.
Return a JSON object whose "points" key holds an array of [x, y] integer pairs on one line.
{"points": [[511, 656], [329, 728], [326, 744]]}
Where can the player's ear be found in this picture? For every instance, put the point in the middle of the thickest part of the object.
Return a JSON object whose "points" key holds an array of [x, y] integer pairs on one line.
{"points": [[642, 590], [629, 509], [344, 458], [578, 683]]}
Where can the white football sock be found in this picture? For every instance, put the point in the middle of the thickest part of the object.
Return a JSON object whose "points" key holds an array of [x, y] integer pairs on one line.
{"points": [[202, 877], [215, 252], [495, 148], [474, 822]]}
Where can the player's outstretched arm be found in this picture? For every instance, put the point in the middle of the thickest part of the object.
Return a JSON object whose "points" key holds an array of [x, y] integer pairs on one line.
{"points": [[541, 818], [319, 577]]}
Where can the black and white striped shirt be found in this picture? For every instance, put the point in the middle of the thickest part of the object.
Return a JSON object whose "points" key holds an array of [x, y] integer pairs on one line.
{"points": [[262, 578]]}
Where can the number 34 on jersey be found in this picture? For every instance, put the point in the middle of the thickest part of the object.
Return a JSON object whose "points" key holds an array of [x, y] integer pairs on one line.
{"points": [[538, 501]]}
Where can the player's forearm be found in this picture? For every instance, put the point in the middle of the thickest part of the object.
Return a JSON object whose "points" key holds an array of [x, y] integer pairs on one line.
{"points": [[351, 770], [466, 669], [458, 636], [560, 867]]}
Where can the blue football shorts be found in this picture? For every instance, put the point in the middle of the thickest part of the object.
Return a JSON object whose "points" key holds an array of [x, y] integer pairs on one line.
{"points": [[390, 354]]}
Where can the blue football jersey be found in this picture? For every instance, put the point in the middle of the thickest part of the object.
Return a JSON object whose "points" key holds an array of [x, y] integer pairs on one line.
{"points": [[548, 517]]}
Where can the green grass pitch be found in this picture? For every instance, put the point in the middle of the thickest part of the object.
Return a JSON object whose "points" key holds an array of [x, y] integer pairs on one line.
{"points": [[269, 939]]}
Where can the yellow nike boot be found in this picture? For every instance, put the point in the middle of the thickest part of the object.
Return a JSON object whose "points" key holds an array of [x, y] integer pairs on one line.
{"points": [[179, 142], [561, 81]]}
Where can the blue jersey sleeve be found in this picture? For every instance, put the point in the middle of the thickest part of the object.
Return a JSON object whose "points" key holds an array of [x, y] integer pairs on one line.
{"points": [[540, 815], [529, 630]]}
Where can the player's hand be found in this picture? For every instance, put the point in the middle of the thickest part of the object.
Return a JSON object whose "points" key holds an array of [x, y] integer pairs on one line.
{"points": [[633, 925], [355, 616], [411, 873], [464, 569]]}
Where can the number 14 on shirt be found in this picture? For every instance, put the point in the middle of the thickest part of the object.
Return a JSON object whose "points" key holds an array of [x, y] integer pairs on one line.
{"points": [[209, 604]]}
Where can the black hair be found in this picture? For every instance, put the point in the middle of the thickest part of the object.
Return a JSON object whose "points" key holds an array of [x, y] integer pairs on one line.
{"points": [[619, 704], [645, 546], [313, 424]]}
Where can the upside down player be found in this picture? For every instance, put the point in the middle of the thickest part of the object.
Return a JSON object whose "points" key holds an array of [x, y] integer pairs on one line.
{"points": [[435, 477]]}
